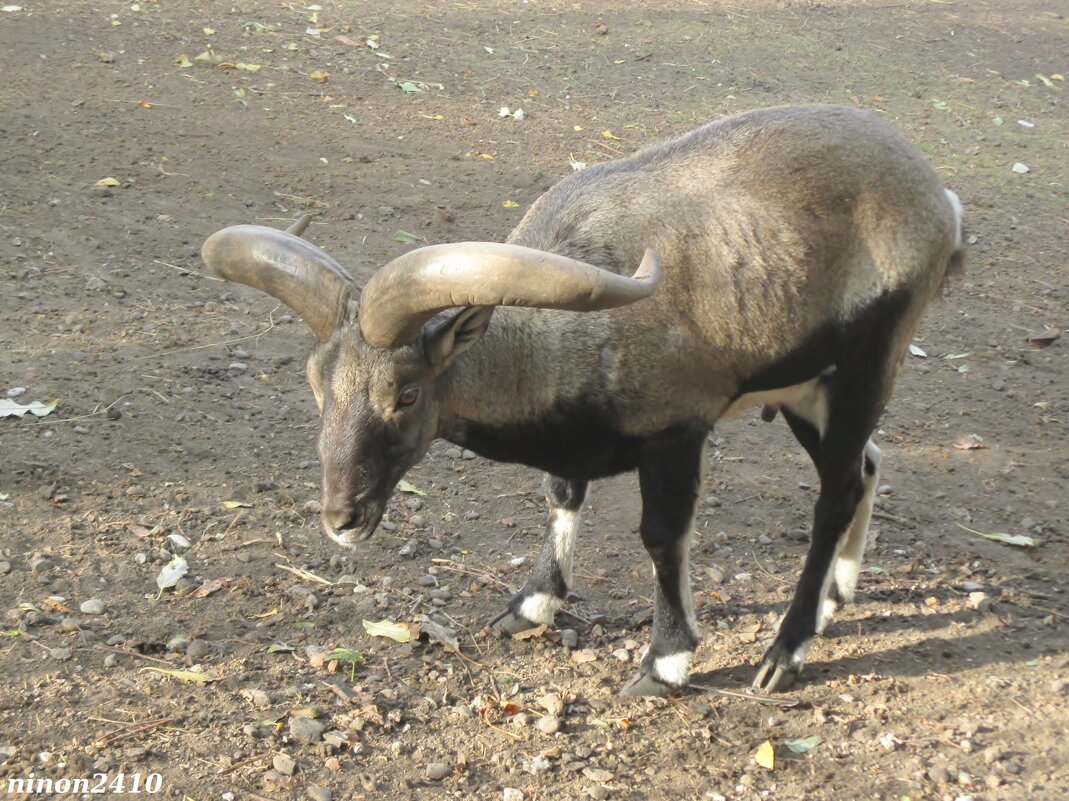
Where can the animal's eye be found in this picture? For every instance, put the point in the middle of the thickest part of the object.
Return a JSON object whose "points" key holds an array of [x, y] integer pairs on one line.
{"points": [[407, 397]]}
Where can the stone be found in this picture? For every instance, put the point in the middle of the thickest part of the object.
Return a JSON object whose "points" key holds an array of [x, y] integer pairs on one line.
{"points": [[198, 649], [512, 794], [553, 704], [436, 771], [318, 793], [94, 606], [569, 638], [284, 764], [548, 724], [306, 730], [598, 775]]}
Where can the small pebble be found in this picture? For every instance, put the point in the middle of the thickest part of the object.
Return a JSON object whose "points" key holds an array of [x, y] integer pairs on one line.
{"points": [[94, 606], [5, 568], [467, 455], [436, 771], [512, 794], [548, 724], [237, 367], [598, 775], [198, 649], [111, 660], [569, 638], [454, 453], [537, 765], [939, 774], [284, 764], [318, 793]]}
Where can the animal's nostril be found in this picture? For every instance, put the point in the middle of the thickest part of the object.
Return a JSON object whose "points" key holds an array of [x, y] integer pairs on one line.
{"points": [[339, 518]]}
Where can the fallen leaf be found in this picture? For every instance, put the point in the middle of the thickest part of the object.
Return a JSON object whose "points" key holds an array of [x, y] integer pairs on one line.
{"points": [[278, 647], [1050, 333], [952, 356], [171, 573], [486, 156], [439, 634], [8, 408], [405, 238], [57, 605], [1021, 540], [969, 442], [531, 633], [209, 587], [918, 352], [607, 134], [247, 67], [581, 657], [803, 744], [765, 755], [319, 76], [183, 61], [408, 486], [510, 204], [236, 505], [398, 632]]}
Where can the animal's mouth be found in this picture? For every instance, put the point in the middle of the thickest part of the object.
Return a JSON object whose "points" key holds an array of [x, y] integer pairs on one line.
{"points": [[359, 528]]}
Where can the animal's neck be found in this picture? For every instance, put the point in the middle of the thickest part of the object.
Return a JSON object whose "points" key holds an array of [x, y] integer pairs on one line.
{"points": [[513, 373]]}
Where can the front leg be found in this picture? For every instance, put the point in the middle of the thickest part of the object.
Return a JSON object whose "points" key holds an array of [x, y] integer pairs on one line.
{"points": [[669, 474], [548, 586]]}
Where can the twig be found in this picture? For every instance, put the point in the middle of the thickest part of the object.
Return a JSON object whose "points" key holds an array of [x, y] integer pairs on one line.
{"points": [[119, 736], [84, 416], [782, 703], [244, 762], [184, 270], [307, 575], [881, 515], [140, 656]]}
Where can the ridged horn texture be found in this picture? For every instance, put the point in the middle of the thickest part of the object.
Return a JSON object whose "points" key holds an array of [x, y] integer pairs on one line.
{"points": [[286, 267], [411, 289]]}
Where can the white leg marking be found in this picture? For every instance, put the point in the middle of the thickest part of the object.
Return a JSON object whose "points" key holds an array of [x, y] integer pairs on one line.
{"points": [[686, 594], [848, 565], [540, 608], [563, 527], [959, 214], [674, 669]]}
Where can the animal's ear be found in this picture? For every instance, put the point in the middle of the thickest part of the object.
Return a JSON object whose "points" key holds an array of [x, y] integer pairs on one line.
{"points": [[445, 336]]}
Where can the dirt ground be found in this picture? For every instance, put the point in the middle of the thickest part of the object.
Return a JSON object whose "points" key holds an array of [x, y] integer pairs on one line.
{"points": [[184, 424]]}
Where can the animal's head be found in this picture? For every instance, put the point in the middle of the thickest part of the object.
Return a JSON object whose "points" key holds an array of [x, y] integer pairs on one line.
{"points": [[381, 351]]}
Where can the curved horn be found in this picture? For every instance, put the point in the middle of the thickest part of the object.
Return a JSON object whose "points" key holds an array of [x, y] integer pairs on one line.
{"points": [[411, 289], [286, 267]]}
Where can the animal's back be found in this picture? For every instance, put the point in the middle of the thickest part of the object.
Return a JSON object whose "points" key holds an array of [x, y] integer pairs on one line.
{"points": [[768, 223]]}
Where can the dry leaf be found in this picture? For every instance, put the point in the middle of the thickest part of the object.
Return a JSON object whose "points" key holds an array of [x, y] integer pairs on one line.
{"points": [[184, 675], [583, 656], [765, 755], [532, 633], [1050, 333], [610, 135], [236, 504], [398, 632], [107, 182], [319, 76], [210, 586]]}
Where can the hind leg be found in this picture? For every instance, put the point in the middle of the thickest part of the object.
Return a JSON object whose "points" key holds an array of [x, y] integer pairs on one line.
{"points": [[545, 592], [807, 421], [834, 425]]}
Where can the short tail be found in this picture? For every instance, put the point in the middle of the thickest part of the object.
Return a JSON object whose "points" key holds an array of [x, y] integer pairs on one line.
{"points": [[956, 265]]}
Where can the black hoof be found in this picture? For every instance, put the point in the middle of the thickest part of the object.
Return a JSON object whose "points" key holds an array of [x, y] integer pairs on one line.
{"points": [[649, 685], [779, 669], [508, 623]]}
